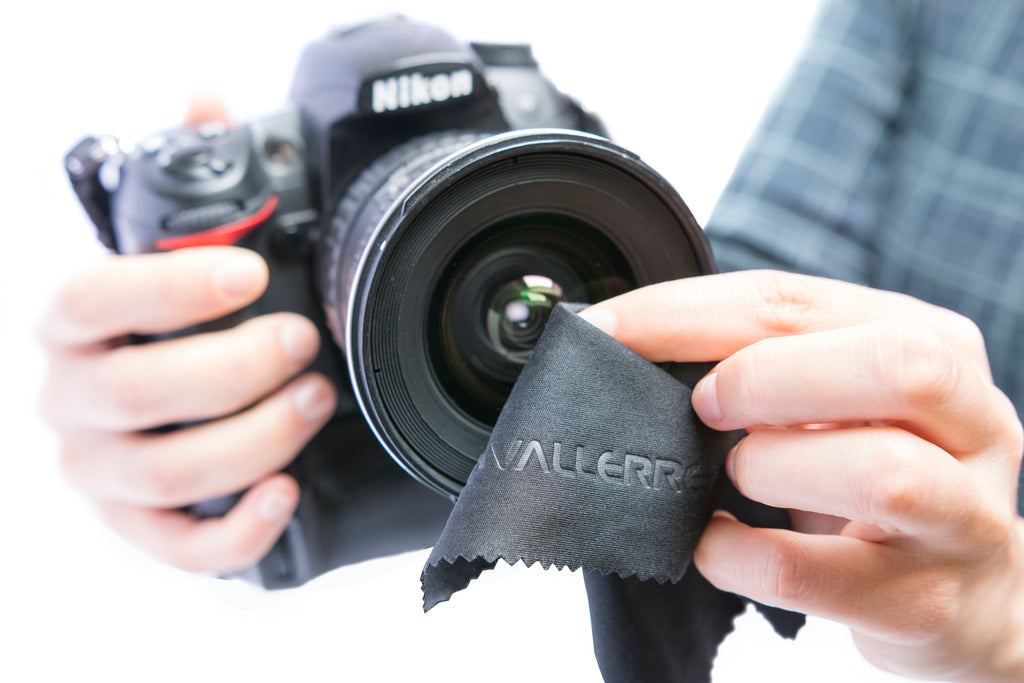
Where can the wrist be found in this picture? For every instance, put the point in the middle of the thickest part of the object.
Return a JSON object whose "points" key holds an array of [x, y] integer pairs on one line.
{"points": [[1006, 661]]}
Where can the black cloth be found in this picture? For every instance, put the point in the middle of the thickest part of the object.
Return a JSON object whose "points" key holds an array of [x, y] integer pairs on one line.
{"points": [[647, 632], [599, 462]]}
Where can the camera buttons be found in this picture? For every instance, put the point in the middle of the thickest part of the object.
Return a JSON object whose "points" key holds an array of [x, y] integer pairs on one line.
{"points": [[153, 144], [211, 130], [193, 162]]}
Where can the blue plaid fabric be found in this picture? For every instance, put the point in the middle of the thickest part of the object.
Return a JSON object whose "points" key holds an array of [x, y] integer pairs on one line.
{"points": [[894, 156]]}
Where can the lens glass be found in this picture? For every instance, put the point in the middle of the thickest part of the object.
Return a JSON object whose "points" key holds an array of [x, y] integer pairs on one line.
{"points": [[493, 301], [518, 313]]}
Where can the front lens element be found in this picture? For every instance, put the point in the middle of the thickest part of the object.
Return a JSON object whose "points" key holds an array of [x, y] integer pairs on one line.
{"points": [[518, 313], [491, 302]]}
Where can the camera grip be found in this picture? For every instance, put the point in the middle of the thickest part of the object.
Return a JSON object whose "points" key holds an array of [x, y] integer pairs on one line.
{"points": [[274, 226], [291, 561], [220, 506]]}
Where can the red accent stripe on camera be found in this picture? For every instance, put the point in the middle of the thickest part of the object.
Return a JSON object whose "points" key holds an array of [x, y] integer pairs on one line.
{"points": [[222, 236]]}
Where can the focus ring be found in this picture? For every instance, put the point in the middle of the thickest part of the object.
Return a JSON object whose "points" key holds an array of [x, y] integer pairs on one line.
{"points": [[362, 208]]}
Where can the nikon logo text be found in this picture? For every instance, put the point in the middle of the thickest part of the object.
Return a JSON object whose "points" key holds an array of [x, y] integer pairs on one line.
{"points": [[621, 469], [416, 89]]}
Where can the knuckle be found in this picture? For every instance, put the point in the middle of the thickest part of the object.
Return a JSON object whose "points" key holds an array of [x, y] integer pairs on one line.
{"points": [[177, 284], [237, 551], [996, 529], [1010, 431], [69, 461], [253, 353], [896, 494], [176, 294], [46, 403], [987, 527], [748, 477], [922, 364], [784, 576], [74, 305], [256, 347], [123, 387], [1015, 440], [966, 330], [741, 389], [163, 482], [784, 304], [939, 607]]}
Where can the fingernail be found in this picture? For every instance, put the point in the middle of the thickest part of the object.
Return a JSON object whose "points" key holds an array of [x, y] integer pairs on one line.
{"points": [[275, 506], [705, 399], [299, 342], [314, 400], [730, 465], [722, 514], [240, 276], [601, 318]]}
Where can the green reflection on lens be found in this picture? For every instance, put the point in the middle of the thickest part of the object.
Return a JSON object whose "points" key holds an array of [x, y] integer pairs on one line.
{"points": [[517, 315]]}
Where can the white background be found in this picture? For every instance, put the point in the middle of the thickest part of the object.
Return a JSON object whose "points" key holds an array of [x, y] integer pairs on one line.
{"points": [[681, 86]]}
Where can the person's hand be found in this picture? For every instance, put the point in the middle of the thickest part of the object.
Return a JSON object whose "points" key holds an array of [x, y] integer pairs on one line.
{"points": [[101, 394], [875, 415], [104, 396]]}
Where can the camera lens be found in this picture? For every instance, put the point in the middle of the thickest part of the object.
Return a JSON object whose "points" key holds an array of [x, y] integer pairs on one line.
{"points": [[498, 291], [517, 314], [447, 255]]}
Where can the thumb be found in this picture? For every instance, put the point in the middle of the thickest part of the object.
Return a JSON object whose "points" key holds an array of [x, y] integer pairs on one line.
{"points": [[205, 107]]}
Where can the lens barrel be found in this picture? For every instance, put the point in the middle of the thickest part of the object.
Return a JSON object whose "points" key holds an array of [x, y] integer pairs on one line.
{"points": [[446, 256]]}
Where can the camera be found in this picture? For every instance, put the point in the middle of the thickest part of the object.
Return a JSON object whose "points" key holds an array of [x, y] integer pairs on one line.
{"points": [[426, 203]]}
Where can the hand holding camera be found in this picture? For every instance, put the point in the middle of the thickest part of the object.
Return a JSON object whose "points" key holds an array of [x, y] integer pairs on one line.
{"points": [[425, 204], [103, 395]]}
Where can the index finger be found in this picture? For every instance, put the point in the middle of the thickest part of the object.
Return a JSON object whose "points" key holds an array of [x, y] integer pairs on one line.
{"points": [[709, 318], [151, 294]]}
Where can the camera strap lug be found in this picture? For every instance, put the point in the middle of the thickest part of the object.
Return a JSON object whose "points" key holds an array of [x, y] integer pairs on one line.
{"points": [[83, 165]]}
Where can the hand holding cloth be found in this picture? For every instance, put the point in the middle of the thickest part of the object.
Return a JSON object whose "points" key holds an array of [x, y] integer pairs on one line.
{"points": [[599, 462]]}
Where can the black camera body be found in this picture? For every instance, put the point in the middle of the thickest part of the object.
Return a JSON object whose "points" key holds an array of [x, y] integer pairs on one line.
{"points": [[426, 204]]}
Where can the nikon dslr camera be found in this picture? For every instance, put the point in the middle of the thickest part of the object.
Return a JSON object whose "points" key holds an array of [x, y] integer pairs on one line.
{"points": [[426, 203]]}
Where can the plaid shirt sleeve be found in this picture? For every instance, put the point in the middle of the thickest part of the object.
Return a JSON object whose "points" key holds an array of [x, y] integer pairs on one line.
{"points": [[893, 156], [807, 192]]}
